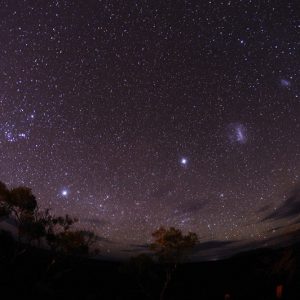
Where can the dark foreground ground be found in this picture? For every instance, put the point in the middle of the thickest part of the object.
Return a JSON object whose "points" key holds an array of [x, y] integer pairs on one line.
{"points": [[38, 274]]}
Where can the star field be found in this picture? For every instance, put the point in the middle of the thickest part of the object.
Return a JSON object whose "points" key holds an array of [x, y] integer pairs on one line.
{"points": [[132, 115]]}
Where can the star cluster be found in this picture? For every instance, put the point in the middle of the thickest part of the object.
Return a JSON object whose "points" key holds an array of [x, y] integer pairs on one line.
{"points": [[136, 114]]}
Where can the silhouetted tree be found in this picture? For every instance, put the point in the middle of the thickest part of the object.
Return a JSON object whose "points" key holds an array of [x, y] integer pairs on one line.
{"points": [[20, 204], [4, 201], [170, 247], [38, 225]]}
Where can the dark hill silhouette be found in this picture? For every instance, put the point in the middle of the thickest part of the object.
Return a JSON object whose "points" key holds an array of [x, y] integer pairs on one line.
{"points": [[37, 274]]}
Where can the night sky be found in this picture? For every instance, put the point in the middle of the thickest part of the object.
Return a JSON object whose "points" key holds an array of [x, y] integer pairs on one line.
{"points": [[135, 114]]}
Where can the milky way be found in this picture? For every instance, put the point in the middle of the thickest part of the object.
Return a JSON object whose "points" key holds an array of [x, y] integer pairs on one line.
{"points": [[136, 114]]}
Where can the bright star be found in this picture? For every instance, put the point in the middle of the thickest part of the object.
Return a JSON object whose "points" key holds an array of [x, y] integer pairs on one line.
{"points": [[64, 193], [22, 135], [184, 161]]}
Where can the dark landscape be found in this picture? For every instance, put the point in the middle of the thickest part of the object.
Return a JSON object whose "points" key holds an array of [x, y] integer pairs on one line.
{"points": [[251, 275]]}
